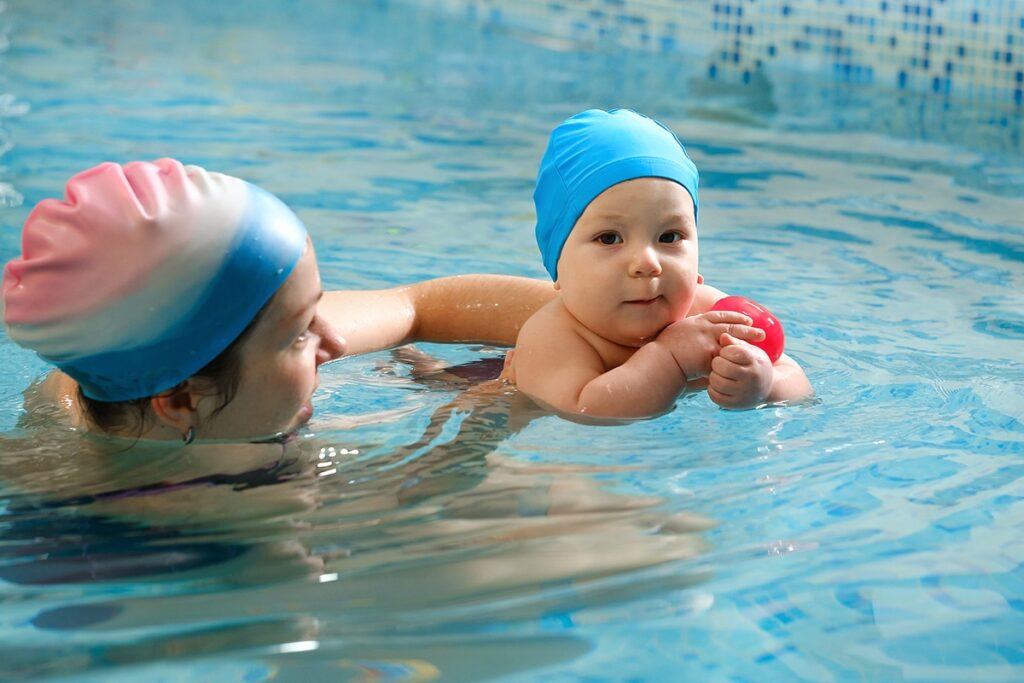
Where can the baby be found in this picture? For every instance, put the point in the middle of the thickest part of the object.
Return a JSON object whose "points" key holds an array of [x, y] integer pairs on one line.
{"points": [[631, 328]]}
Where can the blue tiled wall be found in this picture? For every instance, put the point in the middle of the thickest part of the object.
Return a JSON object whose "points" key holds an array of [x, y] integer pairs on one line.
{"points": [[970, 49]]}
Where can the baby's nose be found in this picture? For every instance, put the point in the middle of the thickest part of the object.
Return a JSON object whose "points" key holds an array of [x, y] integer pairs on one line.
{"points": [[645, 262]]}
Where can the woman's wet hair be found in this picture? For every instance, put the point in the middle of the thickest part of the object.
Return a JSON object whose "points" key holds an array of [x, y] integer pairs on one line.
{"points": [[223, 374]]}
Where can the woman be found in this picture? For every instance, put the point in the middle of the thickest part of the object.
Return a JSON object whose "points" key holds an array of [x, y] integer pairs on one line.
{"points": [[178, 303]]}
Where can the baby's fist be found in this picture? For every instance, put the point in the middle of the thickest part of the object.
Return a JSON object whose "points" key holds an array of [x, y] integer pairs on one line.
{"points": [[741, 375]]}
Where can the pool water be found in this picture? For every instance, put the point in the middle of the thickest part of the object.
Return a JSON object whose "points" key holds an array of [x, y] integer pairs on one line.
{"points": [[434, 529]]}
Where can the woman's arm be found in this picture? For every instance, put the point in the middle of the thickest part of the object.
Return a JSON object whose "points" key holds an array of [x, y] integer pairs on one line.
{"points": [[463, 308]]}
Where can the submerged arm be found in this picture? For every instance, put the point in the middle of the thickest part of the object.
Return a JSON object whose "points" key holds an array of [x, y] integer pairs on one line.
{"points": [[463, 308]]}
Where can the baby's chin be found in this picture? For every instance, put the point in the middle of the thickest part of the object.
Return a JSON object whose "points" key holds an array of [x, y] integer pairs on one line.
{"points": [[628, 324], [632, 337], [637, 333]]}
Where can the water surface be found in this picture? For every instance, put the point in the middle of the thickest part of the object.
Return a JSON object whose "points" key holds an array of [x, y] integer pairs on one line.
{"points": [[422, 528]]}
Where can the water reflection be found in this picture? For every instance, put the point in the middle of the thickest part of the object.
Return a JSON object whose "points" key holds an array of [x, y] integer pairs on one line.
{"points": [[151, 552]]}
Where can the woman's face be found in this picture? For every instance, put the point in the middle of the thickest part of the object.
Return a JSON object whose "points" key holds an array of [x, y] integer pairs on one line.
{"points": [[279, 363]]}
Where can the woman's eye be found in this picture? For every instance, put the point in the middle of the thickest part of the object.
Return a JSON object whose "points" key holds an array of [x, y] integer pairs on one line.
{"points": [[609, 238], [670, 237], [304, 337]]}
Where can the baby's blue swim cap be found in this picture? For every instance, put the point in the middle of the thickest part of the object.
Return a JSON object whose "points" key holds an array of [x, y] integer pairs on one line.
{"points": [[589, 153]]}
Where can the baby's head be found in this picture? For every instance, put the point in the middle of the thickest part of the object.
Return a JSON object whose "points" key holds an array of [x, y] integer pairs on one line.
{"points": [[591, 152], [616, 223], [145, 272]]}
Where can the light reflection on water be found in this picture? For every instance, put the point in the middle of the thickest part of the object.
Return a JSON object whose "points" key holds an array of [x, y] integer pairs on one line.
{"points": [[418, 530]]}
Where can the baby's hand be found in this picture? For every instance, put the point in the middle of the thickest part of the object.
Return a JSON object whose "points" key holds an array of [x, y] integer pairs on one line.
{"points": [[696, 340], [741, 375], [508, 368]]}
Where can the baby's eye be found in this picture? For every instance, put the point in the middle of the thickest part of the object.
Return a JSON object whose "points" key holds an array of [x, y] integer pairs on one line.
{"points": [[609, 238], [670, 237]]}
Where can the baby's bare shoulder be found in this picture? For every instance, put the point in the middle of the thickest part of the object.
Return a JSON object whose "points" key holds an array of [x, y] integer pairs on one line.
{"points": [[705, 299], [551, 320], [553, 335], [552, 360]]}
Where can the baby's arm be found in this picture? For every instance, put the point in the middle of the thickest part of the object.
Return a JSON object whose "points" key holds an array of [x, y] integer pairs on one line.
{"points": [[559, 369], [564, 373], [480, 308]]}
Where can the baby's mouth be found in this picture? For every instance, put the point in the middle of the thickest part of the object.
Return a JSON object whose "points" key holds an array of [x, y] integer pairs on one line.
{"points": [[643, 302]]}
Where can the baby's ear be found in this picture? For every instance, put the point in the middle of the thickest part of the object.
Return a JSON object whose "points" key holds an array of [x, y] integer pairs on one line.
{"points": [[700, 279]]}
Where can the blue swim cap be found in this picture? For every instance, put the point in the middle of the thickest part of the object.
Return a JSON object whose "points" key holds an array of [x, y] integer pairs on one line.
{"points": [[589, 153]]}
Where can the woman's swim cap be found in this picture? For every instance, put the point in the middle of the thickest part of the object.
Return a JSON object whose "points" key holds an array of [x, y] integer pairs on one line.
{"points": [[589, 153], [145, 273]]}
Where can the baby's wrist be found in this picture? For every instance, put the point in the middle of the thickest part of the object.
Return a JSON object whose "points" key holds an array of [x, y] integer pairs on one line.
{"points": [[668, 359], [684, 363], [761, 392]]}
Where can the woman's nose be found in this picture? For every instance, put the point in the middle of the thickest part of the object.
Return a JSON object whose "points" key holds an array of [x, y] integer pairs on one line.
{"points": [[332, 345], [645, 262]]}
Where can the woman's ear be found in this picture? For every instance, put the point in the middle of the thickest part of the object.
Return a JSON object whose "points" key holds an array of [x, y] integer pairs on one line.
{"points": [[700, 279], [176, 407]]}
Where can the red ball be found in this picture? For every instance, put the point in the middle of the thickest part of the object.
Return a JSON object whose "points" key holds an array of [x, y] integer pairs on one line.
{"points": [[774, 339]]}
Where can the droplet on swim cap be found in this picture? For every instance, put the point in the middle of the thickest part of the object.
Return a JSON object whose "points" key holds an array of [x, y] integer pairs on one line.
{"points": [[145, 272], [589, 153]]}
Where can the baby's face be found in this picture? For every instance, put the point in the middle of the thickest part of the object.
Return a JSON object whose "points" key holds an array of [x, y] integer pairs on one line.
{"points": [[629, 266]]}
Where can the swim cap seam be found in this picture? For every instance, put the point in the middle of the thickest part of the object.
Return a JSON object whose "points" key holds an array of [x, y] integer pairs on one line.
{"points": [[558, 220]]}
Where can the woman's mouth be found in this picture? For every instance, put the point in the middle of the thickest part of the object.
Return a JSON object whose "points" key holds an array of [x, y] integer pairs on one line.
{"points": [[305, 413]]}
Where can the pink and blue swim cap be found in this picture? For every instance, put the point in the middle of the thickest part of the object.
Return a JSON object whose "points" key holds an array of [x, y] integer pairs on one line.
{"points": [[589, 153], [145, 273]]}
